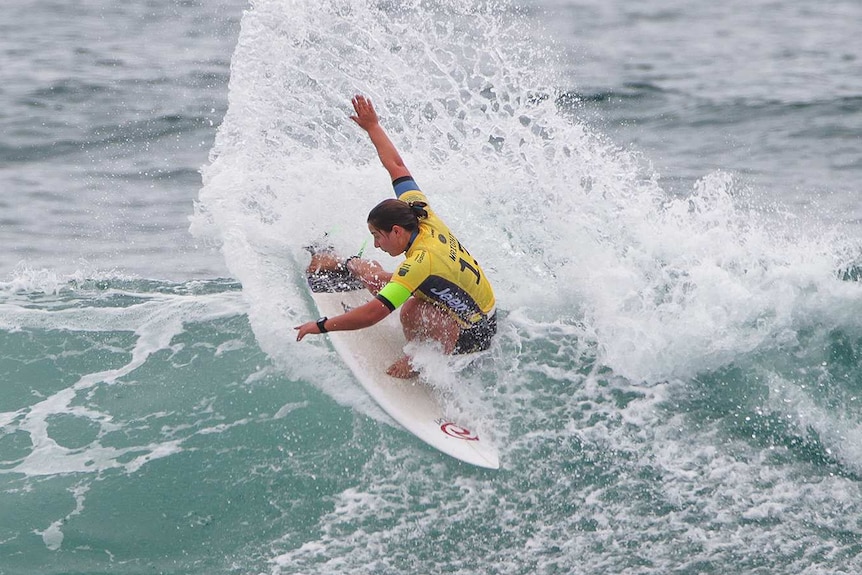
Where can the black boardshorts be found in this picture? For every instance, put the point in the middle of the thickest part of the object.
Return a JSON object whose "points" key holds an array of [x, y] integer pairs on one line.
{"points": [[478, 337]]}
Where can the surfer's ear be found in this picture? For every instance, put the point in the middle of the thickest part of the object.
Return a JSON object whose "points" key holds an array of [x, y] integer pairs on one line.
{"points": [[401, 233]]}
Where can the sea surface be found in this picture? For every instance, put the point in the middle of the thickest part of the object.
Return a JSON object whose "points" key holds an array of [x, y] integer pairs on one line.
{"points": [[665, 194]]}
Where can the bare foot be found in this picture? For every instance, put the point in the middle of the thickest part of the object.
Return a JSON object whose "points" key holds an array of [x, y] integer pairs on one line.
{"points": [[402, 369]]}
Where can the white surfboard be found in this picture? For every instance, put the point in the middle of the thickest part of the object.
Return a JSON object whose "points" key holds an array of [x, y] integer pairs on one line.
{"points": [[368, 352]]}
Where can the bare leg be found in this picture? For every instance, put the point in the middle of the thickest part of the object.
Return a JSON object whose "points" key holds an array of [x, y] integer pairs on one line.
{"points": [[422, 321], [323, 261]]}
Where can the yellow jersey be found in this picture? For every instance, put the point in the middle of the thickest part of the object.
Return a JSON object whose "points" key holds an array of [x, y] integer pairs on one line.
{"points": [[439, 269]]}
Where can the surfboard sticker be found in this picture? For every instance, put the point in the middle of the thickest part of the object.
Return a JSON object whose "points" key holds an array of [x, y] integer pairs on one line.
{"points": [[369, 352], [454, 430]]}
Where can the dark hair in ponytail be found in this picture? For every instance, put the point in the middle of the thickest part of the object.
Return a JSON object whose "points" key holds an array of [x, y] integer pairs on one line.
{"points": [[392, 212]]}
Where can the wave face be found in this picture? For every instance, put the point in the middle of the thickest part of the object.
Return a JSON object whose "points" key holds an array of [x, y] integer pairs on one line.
{"points": [[675, 373]]}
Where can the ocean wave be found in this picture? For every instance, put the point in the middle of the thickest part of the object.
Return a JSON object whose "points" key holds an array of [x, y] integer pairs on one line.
{"points": [[126, 134]]}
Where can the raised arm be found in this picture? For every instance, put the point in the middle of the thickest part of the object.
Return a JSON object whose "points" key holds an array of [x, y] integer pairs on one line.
{"points": [[367, 119]]}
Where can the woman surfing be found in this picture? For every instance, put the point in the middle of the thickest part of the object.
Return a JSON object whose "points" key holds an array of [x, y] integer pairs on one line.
{"points": [[441, 290]]}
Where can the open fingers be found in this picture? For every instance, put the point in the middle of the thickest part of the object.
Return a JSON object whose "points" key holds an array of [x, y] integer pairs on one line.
{"points": [[360, 103], [364, 110]]}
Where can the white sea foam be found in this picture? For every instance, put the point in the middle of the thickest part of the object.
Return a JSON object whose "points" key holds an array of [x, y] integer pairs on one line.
{"points": [[53, 536], [560, 219], [27, 279], [155, 322], [616, 295]]}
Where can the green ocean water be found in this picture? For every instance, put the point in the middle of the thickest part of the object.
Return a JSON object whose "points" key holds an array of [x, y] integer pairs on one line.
{"points": [[144, 431]]}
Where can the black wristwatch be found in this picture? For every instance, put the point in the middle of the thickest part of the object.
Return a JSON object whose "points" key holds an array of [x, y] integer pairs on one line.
{"points": [[320, 324]]}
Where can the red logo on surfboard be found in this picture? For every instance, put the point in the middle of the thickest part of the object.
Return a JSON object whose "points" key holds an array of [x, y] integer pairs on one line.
{"points": [[456, 431]]}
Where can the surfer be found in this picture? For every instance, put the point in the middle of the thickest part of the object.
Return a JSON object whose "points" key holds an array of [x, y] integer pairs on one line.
{"points": [[442, 291]]}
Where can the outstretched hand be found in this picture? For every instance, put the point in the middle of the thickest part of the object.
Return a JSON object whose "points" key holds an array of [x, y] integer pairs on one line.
{"points": [[305, 329], [365, 116], [367, 119]]}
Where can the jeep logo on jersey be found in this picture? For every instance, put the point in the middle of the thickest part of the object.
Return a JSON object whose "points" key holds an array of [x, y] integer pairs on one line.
{"points": [[455, 303]]}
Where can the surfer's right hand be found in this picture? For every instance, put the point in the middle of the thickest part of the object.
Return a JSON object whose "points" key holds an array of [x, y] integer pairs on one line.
{"points": [[305, 329]]}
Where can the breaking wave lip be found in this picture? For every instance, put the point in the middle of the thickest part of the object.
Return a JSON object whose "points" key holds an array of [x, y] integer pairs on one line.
{"points": [[28, 280], [617, 296], [655, 276]]}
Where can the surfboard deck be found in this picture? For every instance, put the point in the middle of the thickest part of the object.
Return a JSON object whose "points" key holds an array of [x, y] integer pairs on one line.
{"points": [[369, 352]]}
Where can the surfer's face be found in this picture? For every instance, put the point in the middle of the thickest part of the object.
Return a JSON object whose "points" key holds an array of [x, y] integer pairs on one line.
{"points": [[393, 242]]}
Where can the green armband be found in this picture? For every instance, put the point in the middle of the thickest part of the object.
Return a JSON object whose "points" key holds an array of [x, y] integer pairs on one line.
{"points": [[393, 295]]}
